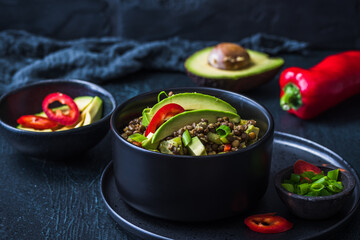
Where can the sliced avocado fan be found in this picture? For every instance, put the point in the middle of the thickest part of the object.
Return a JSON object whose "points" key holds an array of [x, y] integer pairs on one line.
{"points": [[189, 101]]}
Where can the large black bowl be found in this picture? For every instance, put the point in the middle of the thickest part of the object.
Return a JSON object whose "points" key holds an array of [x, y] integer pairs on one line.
{"points": [[52, 145], [188, 188]]}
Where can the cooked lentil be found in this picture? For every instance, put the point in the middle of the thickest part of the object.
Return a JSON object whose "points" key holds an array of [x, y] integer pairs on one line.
{"points": [[238, 138]]}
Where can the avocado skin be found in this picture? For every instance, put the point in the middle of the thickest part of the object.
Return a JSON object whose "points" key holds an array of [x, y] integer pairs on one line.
{"points": [[240, 85]]}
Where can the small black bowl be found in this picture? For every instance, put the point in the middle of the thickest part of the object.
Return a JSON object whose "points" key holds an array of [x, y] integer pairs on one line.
{"points": [[188, 188], [52, 145], [320, 207]]}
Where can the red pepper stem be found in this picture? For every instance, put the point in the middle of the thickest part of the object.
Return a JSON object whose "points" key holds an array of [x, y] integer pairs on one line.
{"points": [[291, 97]]}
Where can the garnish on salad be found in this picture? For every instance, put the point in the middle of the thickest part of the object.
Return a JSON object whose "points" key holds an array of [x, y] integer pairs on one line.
{"points": [[309, 180], [191, 124], [73, 113]]}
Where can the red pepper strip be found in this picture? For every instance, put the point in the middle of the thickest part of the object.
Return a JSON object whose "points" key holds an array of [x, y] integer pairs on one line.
{"points": [[227, 147], [301, 166], [307, 93], [164, 113], [58, 115], [36, 122], [268, 223]]}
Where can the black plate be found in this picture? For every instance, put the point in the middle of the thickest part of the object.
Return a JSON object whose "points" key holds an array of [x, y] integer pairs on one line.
{"points": [[287, 149]]}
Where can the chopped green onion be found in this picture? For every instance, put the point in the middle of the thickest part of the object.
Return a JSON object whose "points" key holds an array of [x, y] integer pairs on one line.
{"points": [[316, 187], [295, 178], [137, 137], [288, 187], [333, 175], [186, 138], [302, 189], [288, 181], [322, 180], [223, 130], [308, 174], [317, 177], [161, 93], [312, 184], [324, 192]]}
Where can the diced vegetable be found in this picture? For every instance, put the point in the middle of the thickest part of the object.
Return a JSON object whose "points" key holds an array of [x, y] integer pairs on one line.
{"points": [[186, 138]]}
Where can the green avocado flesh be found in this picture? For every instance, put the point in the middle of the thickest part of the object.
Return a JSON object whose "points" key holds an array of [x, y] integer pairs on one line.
{"points": [[188, 117], [196, 148], [189, 101], [260, 63], [90, 109]]}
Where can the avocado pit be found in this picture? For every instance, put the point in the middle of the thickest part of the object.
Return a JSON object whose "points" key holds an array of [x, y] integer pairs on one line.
{"points": [[229, 56]]}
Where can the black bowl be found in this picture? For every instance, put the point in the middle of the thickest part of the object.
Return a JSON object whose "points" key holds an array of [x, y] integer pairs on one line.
{"points": [[187, 188], [320, 207], [52, 145]]}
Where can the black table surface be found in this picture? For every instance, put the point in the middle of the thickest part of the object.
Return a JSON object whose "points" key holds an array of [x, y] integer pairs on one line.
{"points": [[61, 200]]}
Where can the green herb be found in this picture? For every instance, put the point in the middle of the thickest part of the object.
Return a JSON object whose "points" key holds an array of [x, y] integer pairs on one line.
{"points": [[333, 175], [161, 93], [223, 131], [137, 137], [186, 138], [311, 184], [288, 187]]}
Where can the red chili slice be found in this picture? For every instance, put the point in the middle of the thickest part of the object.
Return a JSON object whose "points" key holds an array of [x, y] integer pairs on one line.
{"points": [[301, 166], [227, 147], [58, 115], [36, 122], [164, 113], [268, 223]]}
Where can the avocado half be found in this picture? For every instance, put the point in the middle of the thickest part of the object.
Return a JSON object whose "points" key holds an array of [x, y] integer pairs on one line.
{"points": [[261, 69]]}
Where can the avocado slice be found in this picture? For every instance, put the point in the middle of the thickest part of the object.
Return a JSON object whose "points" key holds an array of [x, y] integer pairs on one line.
{"points": [[196, 148], [189, 101], [165, 146], [90, 114], [261, 69], [188, 117], [93, 111], [215, 138], [147, 144]]}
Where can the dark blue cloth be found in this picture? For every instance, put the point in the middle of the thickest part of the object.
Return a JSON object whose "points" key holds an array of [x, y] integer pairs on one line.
{"points": [[27, 58]]}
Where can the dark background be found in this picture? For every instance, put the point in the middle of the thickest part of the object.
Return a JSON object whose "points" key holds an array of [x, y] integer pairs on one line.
{"points": [[323, 23], [44, 200]]}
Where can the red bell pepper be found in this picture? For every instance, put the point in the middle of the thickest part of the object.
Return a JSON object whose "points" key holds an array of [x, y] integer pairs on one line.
{"points": [[36, 122], [301, 166], [268, 223], [163, 114], [58, 115], [307, 93]]}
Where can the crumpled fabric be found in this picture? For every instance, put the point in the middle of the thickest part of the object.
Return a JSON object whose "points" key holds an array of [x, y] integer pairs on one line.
{"points": [[26, 58]]}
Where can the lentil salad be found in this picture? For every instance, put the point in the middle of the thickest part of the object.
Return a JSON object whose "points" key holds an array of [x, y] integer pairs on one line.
{"points": [[240, 134]]}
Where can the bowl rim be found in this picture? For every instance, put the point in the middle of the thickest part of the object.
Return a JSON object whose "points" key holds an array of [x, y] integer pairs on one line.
{"points": [[268, 134], [347, 189], [93, 86]]}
